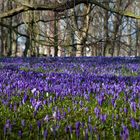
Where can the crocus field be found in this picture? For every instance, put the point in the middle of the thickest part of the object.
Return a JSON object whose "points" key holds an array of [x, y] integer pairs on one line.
{"points": [[69, 98]]}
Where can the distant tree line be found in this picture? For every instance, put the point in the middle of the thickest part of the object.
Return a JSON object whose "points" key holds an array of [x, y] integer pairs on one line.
{"points": [[69, 28]]}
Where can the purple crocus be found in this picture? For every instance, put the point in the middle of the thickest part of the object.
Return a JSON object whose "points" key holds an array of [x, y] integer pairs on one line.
{"points": [[58, 115], [90, 128], [64, 114], [100, 100], [103, 117], [89, 119], [38, 105], [33, 90], [23, 122], [66, 129], [45, 134], [86, 109], [46, 118], [53, 129], [133, 106], [86, 134], [70, 129], [10, 106], [78, 133], [7, 127], [113, 103], [20, 133], [69, 109], [31, 127], [15, 107], [125, 133], [39, 124], [44, 102], [77, 125], [24, 99], [81, 103], [97, 111], [125, 110], [133, 122], [87, 97], [55, 115]]}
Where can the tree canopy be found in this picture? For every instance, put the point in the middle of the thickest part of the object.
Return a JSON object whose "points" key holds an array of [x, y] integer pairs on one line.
{"points": [[60, 7]]}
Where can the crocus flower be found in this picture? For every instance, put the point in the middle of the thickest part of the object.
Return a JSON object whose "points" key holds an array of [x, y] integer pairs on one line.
{"points": [[64, 114], [86, 109], [45, 134], [15, 107], [125, 133], [31, 127], [87, 97], [38, 105], [33, 90], [24, 99], [78, 133], [77, 125], [69, 109], [23, 122], [46, 118], [7, 127], [103, 117], [125, 110], [44, 102], [133, 106], [86, 134], [137, 126], [100, 100], [81, 103], [20, 133], [133, 122], [39, 124], [70, 129], [10, 106], [113, 103], [55, 114], [97, 111], [90, 128], [53, 129], [89, 119], [66, 129], [83, 124]]}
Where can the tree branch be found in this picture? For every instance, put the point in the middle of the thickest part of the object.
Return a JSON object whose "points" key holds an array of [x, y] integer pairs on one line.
{"points": [[60, 7]]}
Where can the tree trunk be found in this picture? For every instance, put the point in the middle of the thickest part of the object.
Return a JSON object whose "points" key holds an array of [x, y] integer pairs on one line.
{"points": [[129, 38], [117, 23], [73, 50], [27, 47], [137, 52], [9, 42], [79, 48], [106, 18], [14, 44], [55, 35], [2, 34], [2, 51], [82, 34]]}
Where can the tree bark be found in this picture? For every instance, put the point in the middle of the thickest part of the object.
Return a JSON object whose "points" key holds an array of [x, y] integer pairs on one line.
{"points": [[60, 7], [55, 35], [129, 38], [82, 34], [106, 18]]}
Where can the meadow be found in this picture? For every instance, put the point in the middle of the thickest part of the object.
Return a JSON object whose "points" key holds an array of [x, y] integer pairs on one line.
{"points": [[69, 98]]}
